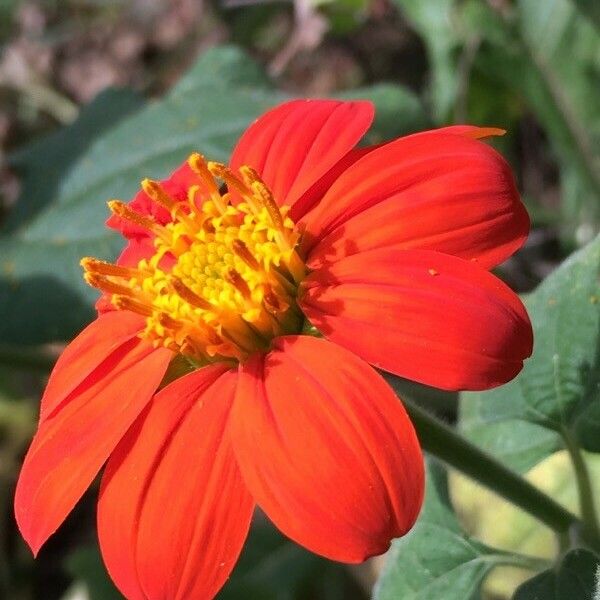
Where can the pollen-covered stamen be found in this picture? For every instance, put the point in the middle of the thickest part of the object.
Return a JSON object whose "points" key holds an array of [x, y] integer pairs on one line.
{"points": [[223, 278], [121, 210], [274, 303], [198, 165], [128, 303], [220, 171], [156, 192], [208, 227], [189, 296], [240, 249], [93, 265], [105, 284], [238, 282]]}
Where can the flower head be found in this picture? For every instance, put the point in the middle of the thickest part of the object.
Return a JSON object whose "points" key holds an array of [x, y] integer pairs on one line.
{"points": [[198, 384]]}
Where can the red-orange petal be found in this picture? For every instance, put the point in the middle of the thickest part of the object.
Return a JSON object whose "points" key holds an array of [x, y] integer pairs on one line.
{"points": [[92, 346], [136, 250], [423, 315], [298, 142], [72, 443], [314, 194], [326, 449], [438, 190], [173, 511]]}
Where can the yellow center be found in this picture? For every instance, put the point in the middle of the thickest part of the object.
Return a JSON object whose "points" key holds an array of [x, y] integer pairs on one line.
{"points": [[222, 282]]}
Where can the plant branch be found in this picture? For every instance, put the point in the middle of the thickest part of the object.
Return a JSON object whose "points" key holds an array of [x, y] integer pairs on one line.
{"points": [[446, 444], [584, 485]]}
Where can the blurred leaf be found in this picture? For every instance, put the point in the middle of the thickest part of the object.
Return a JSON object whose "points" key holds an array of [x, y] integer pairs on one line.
{"points": [[500, 524], [437, 559], [7, 9], [590, 8], [43, 164], [85, 565], [519, 444], [574, 578], [553, 61], [272, 567], [433, 399], [560, 383], [399, 111], [344, 16], [42, 294], [486, 59], [435, 21], [35, 273]]}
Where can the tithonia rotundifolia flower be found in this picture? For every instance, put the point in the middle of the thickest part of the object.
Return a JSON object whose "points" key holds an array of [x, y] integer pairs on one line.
{"points": [[230, 362]]}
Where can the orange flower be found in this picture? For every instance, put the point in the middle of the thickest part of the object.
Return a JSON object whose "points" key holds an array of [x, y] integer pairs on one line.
{"points": [[384, 250]]}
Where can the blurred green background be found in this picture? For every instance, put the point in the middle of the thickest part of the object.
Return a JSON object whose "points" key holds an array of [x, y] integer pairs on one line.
{"points": [[84, 86]]}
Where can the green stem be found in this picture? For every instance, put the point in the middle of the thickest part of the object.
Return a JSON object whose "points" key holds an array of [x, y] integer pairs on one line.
{"points": [[445, 443], [584, 485], [523, 561]]}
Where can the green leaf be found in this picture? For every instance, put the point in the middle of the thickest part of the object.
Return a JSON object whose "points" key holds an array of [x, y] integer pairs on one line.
{"points": [[553, 63], [574, 578], [498, 523], [399, 111], [519, 444], [272, 567], [558, 389], [42, 293], [496, 64], [36, 274], [85, 566], [435, 21], [44, 163], [344, 16], [590, 8], [437, 559]]}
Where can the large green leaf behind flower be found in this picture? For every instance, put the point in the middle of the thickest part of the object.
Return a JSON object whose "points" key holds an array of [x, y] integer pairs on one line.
{"points": [[558, 392], [436, 559]]}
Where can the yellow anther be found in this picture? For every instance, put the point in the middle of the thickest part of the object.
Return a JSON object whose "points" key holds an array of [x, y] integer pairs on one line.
{"points": [[240, 249], [169, 322], [107, 286], [273, 302], [189, 296], [249, 175], [266, 199], [222, 172], [238, 282], [198, 165], [157, 193], [208, 227], [93, 265], [128, 303], [120, 209]]}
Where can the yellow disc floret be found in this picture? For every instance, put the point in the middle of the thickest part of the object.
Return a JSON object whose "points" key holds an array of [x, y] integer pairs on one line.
{"points": [[222, 281]]}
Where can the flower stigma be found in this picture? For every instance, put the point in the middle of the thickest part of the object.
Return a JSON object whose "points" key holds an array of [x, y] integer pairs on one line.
{"points": [[223, 279]]}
